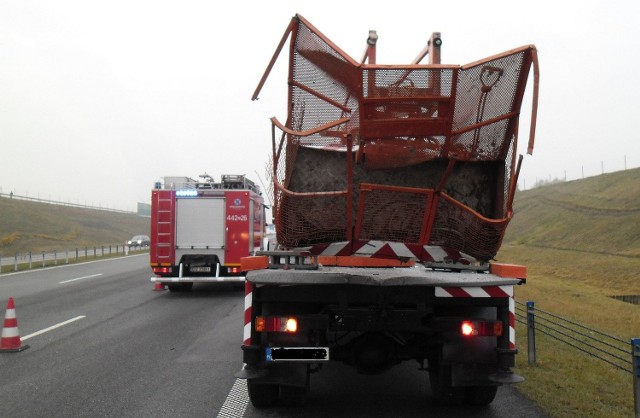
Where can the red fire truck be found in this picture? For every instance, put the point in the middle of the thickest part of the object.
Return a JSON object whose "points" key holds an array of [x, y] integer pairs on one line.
{"points": [[201, 229]]}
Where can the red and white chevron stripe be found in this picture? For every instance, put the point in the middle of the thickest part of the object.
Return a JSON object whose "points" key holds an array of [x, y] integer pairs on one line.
{"points": [[512, 323], [475, 292], [387, 249], [248, 301], [485, 292]]}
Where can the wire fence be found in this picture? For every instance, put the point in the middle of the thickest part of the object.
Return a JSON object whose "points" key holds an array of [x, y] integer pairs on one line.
{"points": [[575, 171], [604, 347], [607, 348]]}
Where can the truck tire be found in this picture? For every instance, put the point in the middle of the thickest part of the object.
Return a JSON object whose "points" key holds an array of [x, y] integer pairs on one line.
{"points": [[480, 395], [296, 395], [262, 395], [180, 287], [441, 389]]}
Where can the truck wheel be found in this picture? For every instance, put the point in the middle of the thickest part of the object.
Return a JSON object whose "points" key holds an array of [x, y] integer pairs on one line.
{"points": [[296, 395], [480, 395], [262, 395], [174, 287], [441, 389], [180, 287]]}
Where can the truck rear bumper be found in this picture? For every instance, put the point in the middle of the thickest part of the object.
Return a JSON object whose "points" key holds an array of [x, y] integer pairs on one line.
{"points": [[199, 279]]}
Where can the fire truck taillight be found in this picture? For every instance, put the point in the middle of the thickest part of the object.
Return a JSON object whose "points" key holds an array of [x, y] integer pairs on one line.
{"points": [[481, 328], [276, 324]]}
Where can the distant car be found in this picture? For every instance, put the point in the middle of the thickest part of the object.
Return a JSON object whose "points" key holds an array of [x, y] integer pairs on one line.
{"points": [[139, 241]]}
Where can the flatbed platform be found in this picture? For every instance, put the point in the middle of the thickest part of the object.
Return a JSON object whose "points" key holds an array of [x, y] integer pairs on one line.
{"points": [[399, 276]]}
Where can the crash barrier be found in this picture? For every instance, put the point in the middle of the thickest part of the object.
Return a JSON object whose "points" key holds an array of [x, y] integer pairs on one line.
{"points": [[30, 260], [599, 345]]}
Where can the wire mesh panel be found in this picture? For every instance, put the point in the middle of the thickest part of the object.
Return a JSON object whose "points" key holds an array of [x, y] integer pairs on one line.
{"points": [[324, 88], [485, 99], [307, 219], [457, 226], [392, 214], [450, 131]]}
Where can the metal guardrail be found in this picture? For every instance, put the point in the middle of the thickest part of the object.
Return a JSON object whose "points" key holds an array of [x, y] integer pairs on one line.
{"points": [[604, 347], [30, 260]]}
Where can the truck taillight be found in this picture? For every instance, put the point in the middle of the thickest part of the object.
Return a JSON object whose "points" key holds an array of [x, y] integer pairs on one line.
{"points": [[162, 270], [276, 324], [481, 328], [233, 270]]}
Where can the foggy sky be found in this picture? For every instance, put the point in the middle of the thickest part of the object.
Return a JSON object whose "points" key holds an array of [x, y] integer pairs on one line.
{"points": [[99, 100]]}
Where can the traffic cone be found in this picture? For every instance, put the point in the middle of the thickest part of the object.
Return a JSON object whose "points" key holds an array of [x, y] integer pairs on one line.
{"points": [[10, 340], [158, 286]]}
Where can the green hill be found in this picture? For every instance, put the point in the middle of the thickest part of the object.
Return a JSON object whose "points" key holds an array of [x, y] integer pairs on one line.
{"points": [[33, 226], [599, 215], [580, 241]]}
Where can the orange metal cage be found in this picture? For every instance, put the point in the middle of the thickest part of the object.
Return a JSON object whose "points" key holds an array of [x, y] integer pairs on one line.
{"points": [[419, 153]]}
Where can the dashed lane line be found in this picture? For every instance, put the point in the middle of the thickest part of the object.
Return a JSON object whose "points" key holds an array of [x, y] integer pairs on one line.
{"points": [[80, 278], [51, 328]]}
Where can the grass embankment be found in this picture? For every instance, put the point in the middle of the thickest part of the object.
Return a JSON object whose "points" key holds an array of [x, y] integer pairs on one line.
{"points": [[33, 226], [581, 243]]}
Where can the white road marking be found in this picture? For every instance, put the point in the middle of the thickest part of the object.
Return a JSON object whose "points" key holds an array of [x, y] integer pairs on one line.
{"points": [[61, 324], [236, 402], [81, 278]]}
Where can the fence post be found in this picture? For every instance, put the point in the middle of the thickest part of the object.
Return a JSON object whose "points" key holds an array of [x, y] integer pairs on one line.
{"points": [[531, 331], [29, 260], [635, 357], [43, 256], [55, 257], [66, 252], [15, 262]]}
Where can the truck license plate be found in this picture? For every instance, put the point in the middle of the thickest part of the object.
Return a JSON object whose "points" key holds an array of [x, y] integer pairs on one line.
{"points": [[200, 269], [297, 353]]}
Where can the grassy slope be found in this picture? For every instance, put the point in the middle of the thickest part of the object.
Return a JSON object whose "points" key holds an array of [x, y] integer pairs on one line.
{"points": [[581, 243], [33, 226]]}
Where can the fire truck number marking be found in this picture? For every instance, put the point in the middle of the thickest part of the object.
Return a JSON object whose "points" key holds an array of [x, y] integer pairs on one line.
{"points": [[238, 218]]}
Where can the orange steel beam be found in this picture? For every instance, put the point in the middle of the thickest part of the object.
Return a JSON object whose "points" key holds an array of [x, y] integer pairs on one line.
{"points": [[320, 96], [432, 49], [308, 132], [273, 60]]}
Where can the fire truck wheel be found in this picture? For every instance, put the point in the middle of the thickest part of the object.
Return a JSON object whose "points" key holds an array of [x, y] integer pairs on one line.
{"points": [[262, 395], [180, 287], [480, 395]]}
